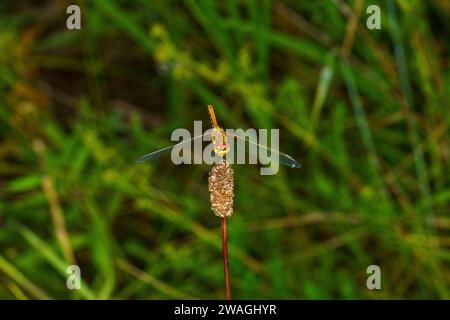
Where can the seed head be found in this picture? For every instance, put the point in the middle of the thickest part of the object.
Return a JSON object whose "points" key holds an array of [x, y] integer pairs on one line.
{"points": [[220, 185]]}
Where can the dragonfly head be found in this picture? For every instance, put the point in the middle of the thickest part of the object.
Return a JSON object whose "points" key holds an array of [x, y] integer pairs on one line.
{"points": [[219, 140]]}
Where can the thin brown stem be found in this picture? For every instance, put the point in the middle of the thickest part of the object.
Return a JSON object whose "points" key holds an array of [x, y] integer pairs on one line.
{"points": [[223, 221]]}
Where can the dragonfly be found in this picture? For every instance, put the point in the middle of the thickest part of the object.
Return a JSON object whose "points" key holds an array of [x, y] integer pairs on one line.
{"points": [[220, 144]]}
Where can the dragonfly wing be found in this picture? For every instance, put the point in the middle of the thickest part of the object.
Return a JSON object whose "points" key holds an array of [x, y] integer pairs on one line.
{"points": [[283, 158], [166, 150], [155, 154]]}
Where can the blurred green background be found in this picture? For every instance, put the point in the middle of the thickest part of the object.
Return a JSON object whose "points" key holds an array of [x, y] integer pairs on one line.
{"points": [[366, 112]]}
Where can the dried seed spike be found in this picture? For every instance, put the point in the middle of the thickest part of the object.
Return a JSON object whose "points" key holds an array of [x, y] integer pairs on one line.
{"points": [[220, 185]]}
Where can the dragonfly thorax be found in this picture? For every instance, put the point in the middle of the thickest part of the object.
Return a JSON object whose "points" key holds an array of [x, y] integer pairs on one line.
{"points": [[219, 140]]}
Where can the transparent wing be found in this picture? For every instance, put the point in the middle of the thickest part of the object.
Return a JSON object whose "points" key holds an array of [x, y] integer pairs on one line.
{"points": [[166, 150], [284, 159]]}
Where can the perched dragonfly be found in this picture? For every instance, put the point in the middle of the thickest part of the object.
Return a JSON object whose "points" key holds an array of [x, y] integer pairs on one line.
{"points": [[220, 144]]}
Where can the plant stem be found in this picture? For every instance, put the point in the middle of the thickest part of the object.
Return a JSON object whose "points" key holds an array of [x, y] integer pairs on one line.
{"points": [[223, 221]]}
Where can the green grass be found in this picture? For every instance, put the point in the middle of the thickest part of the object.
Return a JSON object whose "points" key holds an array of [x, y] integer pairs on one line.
{"points": [[369, 123]]}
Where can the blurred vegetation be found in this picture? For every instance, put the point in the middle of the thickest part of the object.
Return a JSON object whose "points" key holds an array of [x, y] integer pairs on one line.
{"points": [[366, 112]]}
